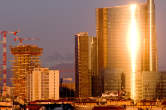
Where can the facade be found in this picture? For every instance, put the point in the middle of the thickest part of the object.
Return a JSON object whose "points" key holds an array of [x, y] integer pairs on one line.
{"points": [[151, 85], [44, 84], [26, 58], [163, 85], [96, 79], [85, 54], [154, 85], [126, 44]]}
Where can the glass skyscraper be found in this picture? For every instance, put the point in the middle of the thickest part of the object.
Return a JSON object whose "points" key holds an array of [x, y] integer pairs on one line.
{"points": [[126, 44], [85, 65]]}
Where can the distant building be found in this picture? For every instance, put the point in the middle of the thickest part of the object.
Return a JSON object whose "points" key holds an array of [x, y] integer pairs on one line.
{"points": [[162, 87], [126, 44], [44, 84], [150, 85], [85, 65], [69, 85], [26, 58], [67, 89]]}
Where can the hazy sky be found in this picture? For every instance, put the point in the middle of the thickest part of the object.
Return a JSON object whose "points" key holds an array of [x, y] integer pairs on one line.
{"points": [[55, 21]]}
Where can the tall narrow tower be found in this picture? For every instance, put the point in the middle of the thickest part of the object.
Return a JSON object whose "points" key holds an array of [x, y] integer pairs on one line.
{"points": [[152, 36], [87, 79], [26, 58]]}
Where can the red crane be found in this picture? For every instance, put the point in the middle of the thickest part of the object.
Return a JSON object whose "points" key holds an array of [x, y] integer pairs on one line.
{"points": [[4, 62], [24, 39]]}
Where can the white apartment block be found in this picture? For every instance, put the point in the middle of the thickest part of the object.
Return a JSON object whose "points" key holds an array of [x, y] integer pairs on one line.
{"points": [[44, 84]]}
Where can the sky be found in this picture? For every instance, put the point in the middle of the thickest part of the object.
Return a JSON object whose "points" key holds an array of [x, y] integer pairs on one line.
{"points": [[55, 22]]}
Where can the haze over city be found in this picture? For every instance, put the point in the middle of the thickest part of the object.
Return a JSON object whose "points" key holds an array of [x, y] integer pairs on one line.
{"points": [[55, 21]]}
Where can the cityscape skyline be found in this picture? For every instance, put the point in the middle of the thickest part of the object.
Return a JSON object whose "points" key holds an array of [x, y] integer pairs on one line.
{"points": [[53, 27], [126, 53], [126, 36], [88, 54]]}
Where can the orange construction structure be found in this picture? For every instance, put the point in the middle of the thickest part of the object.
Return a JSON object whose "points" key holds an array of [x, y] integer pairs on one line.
{"points": [[26, 58]]}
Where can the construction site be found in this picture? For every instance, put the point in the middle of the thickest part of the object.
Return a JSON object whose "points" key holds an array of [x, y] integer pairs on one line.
{"points": [[26, 58]]}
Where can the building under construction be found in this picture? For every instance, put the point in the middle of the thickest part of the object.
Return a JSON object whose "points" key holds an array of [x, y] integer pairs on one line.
{"points": [[26, 58]]}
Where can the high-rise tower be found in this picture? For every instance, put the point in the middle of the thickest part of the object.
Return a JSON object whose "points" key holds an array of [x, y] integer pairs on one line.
{"points": [[152, 35], [26, 58], [126, 44], [85, 65]]}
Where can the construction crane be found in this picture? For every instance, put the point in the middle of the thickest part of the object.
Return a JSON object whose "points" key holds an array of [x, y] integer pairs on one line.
{"points": [[24, 39], [4, 62]]}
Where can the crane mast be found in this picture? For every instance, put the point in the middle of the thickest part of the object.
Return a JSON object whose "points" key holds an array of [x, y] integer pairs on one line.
{"points": [[4, 59]]}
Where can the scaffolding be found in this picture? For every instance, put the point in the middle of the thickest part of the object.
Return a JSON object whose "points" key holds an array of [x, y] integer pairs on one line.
{"points": [[26, 58]]}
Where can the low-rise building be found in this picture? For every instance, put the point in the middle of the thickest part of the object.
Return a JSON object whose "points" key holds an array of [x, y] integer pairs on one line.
{"points": [[163, 85], [44, 84]]}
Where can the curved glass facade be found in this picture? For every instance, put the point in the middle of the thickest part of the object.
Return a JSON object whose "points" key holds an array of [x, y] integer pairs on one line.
{"points": [[114, 50]]}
